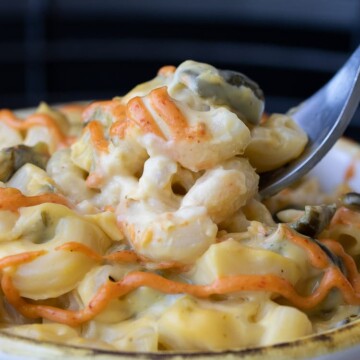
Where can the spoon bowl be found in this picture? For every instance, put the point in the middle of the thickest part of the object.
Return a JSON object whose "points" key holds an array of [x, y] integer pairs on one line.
{"points": [[324, 117]]}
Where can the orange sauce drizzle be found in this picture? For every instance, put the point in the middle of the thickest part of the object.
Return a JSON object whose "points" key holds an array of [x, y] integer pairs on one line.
{"points": [[316, 256], [118, 128], [97, 136], [12, 199], [113, 108], [122, 256], [79, 247], [94, 180], [350, 265], [137, 112], [169, 112], [19, 259], [332, 278], [167, 70], [173, 117], [132, 281], [9, 118]]}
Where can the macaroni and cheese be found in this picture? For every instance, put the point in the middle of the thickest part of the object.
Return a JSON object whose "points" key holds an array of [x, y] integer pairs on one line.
{"points": [[134, 224]]}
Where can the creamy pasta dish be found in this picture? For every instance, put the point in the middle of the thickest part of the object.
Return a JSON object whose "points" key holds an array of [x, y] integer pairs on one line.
{"points": [[135, 224]]}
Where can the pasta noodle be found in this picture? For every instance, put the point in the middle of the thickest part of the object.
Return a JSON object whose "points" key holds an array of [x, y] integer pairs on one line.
{"points": [[134, 224]]}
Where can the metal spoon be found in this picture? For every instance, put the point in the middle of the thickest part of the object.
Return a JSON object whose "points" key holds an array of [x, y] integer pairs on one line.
{"points": [[324, 117]]}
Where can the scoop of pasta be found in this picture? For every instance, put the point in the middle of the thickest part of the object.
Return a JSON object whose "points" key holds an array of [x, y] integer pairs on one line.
{"points": [[145, 227]]}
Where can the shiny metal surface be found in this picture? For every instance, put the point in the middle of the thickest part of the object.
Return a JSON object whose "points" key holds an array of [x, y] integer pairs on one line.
{"points": [[324, 117]]}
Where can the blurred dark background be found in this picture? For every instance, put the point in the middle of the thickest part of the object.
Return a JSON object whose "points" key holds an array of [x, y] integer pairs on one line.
{"points": [[66, 50]]}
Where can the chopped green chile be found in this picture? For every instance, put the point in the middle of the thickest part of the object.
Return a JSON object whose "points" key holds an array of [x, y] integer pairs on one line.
{"points": [[225, 87], [238, 79], [13, 158], [314, 220]]}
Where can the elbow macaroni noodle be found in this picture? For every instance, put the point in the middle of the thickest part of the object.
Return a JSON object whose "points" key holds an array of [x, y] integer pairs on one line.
{"points": [[144, 231]]}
